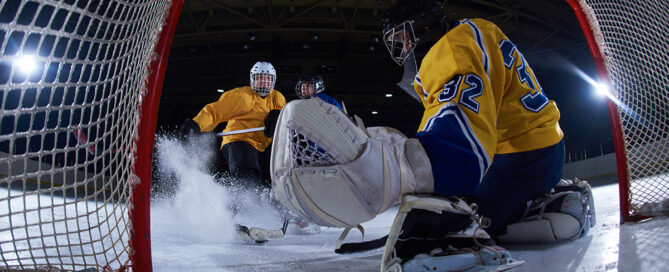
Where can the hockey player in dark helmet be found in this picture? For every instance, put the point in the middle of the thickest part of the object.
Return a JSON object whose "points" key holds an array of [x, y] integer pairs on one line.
{"points": [[482, 101], [312, 86], [412, 27]]}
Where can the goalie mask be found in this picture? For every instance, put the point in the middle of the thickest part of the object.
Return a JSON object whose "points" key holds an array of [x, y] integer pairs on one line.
{"points": [[309, 86], [413, 27], [263, 77]]}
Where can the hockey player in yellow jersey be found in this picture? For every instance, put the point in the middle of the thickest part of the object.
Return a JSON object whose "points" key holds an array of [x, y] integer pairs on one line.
{"points": [[488, 152], [247, 154]]}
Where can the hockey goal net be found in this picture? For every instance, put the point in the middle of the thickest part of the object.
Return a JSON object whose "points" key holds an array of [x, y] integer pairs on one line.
{"points": [[78, 88], [628, 40]]}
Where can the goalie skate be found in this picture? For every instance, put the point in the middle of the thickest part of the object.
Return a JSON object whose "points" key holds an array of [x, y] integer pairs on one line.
{"points": [[487, 259], [437, 234]]}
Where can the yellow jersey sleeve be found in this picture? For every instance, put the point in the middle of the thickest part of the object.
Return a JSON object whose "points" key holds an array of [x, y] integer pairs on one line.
{"points": [[476, 67], [481, 98], [230, 104]]}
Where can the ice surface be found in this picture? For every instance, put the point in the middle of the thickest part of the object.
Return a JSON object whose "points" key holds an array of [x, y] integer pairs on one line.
{"points": [[191, 230], [177, 246]]}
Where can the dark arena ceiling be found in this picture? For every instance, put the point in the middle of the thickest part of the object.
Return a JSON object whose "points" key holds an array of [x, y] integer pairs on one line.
{"points": [[217, 42]]}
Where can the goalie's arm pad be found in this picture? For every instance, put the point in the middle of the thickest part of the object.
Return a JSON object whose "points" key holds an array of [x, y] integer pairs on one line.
{"points": [[328, 169]]}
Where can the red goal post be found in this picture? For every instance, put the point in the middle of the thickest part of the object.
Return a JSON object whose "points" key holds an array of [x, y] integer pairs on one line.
{"points": [[80, 85], [628, 41]]}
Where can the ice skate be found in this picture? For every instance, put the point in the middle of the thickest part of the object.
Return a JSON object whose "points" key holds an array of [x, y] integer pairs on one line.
{"points": [[259, 236], [436, 234]]}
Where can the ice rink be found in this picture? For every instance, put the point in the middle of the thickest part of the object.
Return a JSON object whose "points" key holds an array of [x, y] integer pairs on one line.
{"points": [[191, 232]]}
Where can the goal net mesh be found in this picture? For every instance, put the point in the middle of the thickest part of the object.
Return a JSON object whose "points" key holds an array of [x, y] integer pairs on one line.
{"points": [[72, 78], [632, 37]]}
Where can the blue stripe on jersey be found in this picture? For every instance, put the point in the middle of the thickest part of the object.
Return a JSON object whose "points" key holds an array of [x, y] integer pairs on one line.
{"points": [[479, 40], [458, 159], [417, 80], [459, 22]]}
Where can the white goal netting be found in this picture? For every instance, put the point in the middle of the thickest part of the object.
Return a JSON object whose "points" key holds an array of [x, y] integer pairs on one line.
{"points": [[72, 78], [633, 39]]}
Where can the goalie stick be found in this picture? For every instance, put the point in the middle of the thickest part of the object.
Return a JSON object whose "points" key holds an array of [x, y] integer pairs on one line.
{"points": [[260, 235], [354, 247]]}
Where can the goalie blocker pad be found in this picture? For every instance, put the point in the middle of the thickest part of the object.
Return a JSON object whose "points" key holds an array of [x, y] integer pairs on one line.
{"points": [[567, 213], [336, 173]]}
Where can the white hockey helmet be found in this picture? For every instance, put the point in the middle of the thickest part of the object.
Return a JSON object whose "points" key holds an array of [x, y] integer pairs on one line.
{"points": [[264, 73]]}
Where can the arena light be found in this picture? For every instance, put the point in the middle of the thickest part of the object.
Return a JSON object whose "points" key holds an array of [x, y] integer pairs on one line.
{"points": [[389, 95], [602, 89], [26, 64], [375, 112], [220, 90]]}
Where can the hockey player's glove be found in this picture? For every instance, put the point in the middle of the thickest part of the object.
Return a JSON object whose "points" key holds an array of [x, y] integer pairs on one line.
{"points": [[188, 128], [270, 122]]}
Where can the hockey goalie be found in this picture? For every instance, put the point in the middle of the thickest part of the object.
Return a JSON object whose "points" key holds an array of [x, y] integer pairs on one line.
{"points": [[338, 173], [485, 164]]}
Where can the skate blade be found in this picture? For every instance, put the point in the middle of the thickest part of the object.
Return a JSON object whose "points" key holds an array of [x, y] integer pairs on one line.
{"points": [[415, 267], [464, 262], [496, 268]]}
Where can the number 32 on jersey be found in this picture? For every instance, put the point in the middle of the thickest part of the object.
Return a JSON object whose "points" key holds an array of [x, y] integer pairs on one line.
{"points": [[532, 101]]}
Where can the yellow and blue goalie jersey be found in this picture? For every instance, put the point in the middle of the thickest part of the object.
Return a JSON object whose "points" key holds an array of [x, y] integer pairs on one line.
{"points": [[242, 109], [481, 98]]}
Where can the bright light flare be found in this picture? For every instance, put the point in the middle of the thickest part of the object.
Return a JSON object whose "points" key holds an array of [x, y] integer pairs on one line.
{"points": [[26, 64], [602, 89]]}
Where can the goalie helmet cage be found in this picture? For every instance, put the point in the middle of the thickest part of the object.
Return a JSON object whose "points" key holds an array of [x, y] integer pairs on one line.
{"points": [[628, 41], [80, 85]]}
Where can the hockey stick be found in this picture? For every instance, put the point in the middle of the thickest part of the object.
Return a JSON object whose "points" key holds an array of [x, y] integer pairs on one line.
{"points": [[82, 139], [240, 131], [355, 247]]}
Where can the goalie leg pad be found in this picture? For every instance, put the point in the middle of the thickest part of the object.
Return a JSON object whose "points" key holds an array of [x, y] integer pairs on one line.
{"points": [[336, 173]]}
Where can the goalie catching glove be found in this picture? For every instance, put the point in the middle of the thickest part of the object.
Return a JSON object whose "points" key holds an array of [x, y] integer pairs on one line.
{"points": [[336, 173]]}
